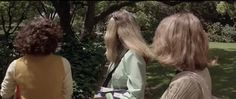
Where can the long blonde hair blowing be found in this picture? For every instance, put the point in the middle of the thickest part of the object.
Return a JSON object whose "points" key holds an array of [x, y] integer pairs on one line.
{"points": [[181, 41], [123, 31]]}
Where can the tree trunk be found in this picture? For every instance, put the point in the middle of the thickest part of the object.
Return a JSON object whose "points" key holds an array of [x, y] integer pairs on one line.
{"points": [[63, 10], [89, 20]]}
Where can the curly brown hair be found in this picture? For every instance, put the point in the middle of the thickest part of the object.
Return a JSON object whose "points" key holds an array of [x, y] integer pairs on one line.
{"points": [[40, 37]]}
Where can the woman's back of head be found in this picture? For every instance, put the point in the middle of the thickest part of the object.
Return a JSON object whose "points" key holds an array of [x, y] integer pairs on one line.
{"points": [[124, 31], [181, 41], [39, 37]]}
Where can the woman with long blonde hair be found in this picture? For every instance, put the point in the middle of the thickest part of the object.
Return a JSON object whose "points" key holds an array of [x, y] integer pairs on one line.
{"points": [[181, 42], [127, 52]]}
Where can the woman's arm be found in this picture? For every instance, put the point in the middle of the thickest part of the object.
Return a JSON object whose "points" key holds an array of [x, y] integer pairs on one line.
{"points": [[135, 67], [68, 81], [9, 84], [135, 70]]}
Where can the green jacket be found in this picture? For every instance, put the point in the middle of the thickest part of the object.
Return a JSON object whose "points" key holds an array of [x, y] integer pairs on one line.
{"points": [[131, 74]]}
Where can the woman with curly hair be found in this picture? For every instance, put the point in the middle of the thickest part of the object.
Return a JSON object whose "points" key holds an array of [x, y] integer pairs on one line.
{"points": [[38, 74]]}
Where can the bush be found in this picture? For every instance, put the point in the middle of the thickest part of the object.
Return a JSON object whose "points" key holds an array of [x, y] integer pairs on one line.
{"points": [[5, 59], [229, 32], [86, 59], [7, 54], [219, 33]]}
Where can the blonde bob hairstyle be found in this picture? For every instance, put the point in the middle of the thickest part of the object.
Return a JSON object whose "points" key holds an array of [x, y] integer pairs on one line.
{"points": [[124, 32], [181, 41]]}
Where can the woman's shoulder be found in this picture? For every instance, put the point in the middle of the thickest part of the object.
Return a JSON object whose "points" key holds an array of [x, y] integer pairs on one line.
{"points": [[184, 78], [60, 57], [182, 87], [184, 83], [188, 78], [132, 54]]}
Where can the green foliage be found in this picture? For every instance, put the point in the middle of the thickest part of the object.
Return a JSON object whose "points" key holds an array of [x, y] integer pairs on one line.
{"points": [[7, 55], [229, 32], [214, 31], [102, 6], [224, 7], [14, 9], [79, 17], [86, 60], [5, 59], [219, 33], [148, 15]]}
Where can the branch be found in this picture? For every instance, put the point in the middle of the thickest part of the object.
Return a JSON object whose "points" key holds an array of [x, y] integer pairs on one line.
{"points": [[56, 5], [112, 9], [90, 16], [10, 16], [44, 9], [73, 13], [21, 19], [3, 23], [63, 11], [38, 9], [171, 3], [40, 13], [53, 15], [82, 4]]}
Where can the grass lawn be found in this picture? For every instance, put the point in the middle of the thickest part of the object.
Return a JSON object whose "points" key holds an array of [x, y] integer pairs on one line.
{"points": [[223, 75]]}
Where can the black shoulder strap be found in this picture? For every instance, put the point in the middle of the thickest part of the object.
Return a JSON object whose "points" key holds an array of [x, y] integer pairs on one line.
{"points": [[108, 78]]}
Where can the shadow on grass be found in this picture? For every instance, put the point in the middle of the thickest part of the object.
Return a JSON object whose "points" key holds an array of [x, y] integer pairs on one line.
{"points": [[158, 79], [223, 76]]}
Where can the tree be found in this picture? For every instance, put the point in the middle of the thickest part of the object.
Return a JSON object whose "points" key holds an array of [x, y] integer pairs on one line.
{"points": [[12, 14], [92, 19], [65, 9], [45, 9], [227, 8]]}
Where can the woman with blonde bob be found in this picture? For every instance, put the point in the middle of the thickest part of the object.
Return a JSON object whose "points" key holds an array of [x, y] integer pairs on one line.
{"points": [[123, 37], [181, 42]]}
